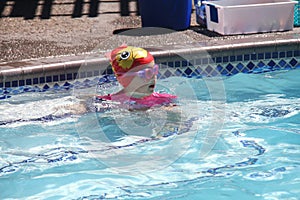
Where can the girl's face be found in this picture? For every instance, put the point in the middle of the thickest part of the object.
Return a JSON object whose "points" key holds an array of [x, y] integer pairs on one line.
{"points": [[140, 80]]}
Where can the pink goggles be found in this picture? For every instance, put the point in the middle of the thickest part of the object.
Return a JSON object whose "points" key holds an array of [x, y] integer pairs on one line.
{"points": [[144, 73]]}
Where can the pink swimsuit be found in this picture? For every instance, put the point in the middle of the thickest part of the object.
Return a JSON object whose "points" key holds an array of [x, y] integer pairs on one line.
{"points": [[155, 99]]}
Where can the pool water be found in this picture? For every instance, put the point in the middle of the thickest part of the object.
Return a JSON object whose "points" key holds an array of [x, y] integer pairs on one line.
{"points": [[230, 138]]}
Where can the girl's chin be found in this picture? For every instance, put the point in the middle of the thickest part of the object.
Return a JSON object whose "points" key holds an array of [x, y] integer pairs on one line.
{"points": [[146, 90]]}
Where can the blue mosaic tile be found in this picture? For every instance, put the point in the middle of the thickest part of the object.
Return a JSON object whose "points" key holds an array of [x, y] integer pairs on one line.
{"points": [[110, 71], [55, 78], [62, 77], [275, 55], [239, 58], [82, 74], [21, 82], [89, 74], [69, 76], [35, 81], [178, 72], [14, 83], [96, 73], [293, 62], [168, 74], [224, 72], [29, 82], [197, 62], [199, 70], [267, 55], [46, 87], [194, 74], [250, 66], [7, 84], [288, 67], [214, 73], [253, 56], [232, 59], [229, 67], [67, 84], [261, 64], [245, 70], [208, 70], [276, 67], [282, 63], [218, 59], [188, 71], [171, 64], [235, 71], [42, 80], [49, 79], [271, 63], [185, 63], [163, 64], [225, 59], [192, 62], [289, 54], [219, 68], [260, 56], [240, 66], [246, 57], [282, 54], [205, 61], [56, 86]]}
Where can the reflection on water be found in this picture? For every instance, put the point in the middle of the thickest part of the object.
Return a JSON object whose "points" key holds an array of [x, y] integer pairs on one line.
{"points": [[156, 153]]}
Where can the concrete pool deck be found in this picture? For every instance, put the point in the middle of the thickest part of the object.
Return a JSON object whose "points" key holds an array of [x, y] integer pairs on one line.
{"points": [[63, 39]]}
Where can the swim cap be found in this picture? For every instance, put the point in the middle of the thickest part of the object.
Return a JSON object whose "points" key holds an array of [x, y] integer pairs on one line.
{"points": [[124, 58]]}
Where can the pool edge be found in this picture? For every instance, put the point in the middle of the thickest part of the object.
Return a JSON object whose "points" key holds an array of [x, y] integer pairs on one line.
{"points": [[21, 70]]}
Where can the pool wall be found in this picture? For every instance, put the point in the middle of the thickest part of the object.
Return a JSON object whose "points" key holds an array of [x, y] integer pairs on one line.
{"points": [[193, 62]]}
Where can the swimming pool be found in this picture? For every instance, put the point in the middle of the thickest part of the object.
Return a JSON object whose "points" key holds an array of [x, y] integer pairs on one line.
{"points": [[255, 154]]}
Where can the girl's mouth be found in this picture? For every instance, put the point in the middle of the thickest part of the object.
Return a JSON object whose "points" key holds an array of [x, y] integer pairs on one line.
{"points": [[151, 86]]}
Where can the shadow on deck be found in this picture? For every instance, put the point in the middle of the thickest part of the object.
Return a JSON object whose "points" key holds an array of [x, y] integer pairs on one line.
{"points": [[30, 9]]}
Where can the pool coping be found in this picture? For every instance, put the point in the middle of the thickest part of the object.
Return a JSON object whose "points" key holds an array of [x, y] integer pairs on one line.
{"points": [[63, 63]]}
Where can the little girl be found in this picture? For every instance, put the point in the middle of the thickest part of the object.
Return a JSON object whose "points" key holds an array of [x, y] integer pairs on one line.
{"points": [[136, 71]]}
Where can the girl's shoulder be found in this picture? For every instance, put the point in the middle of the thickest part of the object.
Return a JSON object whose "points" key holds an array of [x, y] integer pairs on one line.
{"points": [[155, 99]]}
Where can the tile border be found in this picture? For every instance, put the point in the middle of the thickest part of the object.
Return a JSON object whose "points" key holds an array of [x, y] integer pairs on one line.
{"points": [[215, 60]]}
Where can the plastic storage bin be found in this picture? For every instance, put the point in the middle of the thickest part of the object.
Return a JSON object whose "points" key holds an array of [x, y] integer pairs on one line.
{"points": [[229, 17], [173, 14]]}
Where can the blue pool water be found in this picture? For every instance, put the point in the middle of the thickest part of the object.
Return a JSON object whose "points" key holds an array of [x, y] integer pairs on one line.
{"points": [[232, 138]]}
